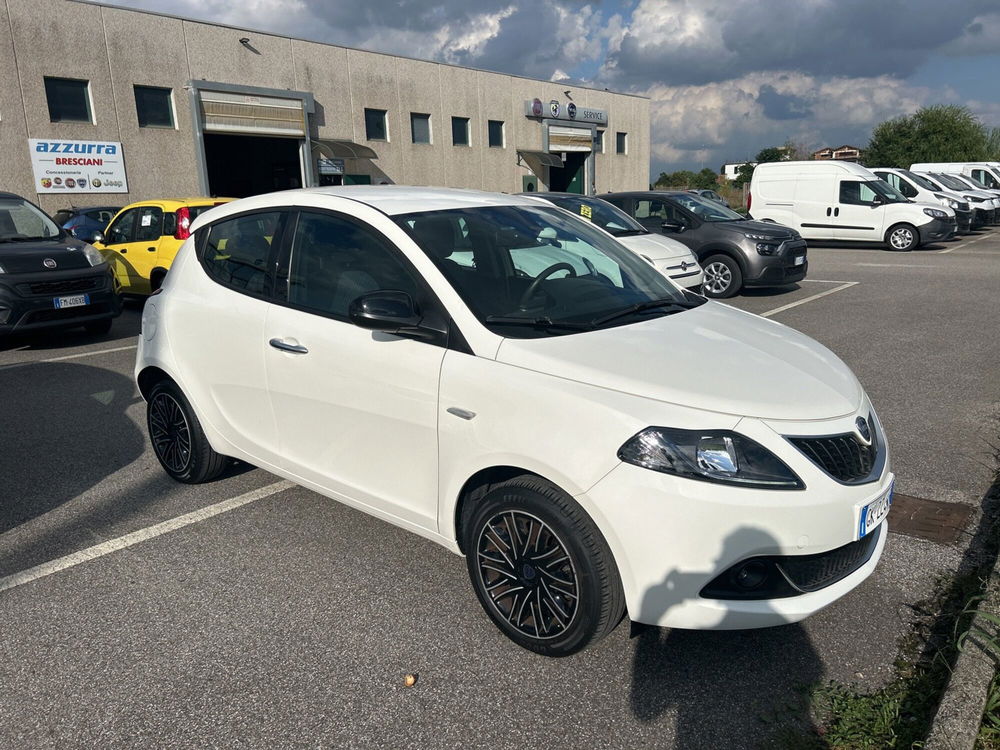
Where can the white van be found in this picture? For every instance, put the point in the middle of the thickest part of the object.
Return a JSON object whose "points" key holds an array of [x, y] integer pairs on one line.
{"points": [[984, 202], [839, 200], [986, 173], [919, 189]]}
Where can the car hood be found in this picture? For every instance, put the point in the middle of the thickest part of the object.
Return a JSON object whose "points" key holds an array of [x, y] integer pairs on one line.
{"points": [[656, 247], [30, 257], [713, 358], [765, 228]]}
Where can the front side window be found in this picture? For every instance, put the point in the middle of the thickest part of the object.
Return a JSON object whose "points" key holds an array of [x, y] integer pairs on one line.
{"points": [[460, 131], [68, 100], [864, 193], [150, 225], [237, 250], [334, 261], [154, 107], [495, 132], [420, 127], [375, 127], [534, 271], [704, 208], [123, 228], [21, 221]]}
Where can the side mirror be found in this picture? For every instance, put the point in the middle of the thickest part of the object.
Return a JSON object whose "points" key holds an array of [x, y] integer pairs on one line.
{"points": [[877, 201], [386, 310], [96, 236]]}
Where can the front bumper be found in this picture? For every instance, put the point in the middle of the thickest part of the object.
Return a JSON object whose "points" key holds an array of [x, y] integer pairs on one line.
{"points": [[683, 274], [671, 537], [779, 269], [938, 229], [26, 299], [964, 221]]}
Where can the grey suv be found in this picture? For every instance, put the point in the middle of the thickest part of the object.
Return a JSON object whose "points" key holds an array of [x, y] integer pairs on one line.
{"points": [[734, 251]]}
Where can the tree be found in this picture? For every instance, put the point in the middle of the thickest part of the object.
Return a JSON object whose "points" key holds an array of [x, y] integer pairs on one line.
{"points": [[745, 171], [933, 134]]}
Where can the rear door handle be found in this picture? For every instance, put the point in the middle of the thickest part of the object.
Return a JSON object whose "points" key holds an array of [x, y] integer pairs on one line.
{"points": [[286, 347], [151, 249], [836, 211]]}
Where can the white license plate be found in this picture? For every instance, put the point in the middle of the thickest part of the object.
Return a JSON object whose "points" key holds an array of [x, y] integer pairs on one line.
{"points": [[800, 259], [77, 300], [874, 513]]}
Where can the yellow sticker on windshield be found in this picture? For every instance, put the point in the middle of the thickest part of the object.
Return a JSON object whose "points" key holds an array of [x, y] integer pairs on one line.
{"points": [[585, 211]]}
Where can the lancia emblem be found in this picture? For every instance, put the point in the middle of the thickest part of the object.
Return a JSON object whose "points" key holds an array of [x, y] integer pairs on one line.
{"points": [[49, 263], [554, 108], [863, 430]]}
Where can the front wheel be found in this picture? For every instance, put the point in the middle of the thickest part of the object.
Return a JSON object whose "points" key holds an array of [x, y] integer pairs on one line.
{"points": [[903, 237], [723, 277], [178, 440], [541, 569]]}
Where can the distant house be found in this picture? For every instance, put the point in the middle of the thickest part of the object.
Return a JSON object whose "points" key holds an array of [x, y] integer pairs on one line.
{"points": [[730, 171], [841, 153]]}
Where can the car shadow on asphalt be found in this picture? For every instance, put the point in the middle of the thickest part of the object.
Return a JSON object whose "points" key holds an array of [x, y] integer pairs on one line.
{"points": [[770, 291], [722, 685], [125, 329]]}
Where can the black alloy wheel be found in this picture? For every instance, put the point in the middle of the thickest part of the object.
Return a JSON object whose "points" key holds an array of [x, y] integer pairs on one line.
{"points": [[178, 440]]}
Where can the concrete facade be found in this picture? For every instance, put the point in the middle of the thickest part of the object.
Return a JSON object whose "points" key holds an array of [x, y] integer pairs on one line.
{"points": [[125, 48]]}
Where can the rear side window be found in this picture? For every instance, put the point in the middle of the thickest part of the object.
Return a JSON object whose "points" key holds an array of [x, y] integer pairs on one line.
{"points": [[150, 225], [102, 216], [236, 251], [334, 261]]}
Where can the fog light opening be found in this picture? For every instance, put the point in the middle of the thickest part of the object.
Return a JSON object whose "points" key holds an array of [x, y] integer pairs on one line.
{"points": [[750, 575]]}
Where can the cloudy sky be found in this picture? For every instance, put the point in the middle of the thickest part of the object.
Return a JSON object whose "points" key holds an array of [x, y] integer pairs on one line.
{"points": [[726, 77]]}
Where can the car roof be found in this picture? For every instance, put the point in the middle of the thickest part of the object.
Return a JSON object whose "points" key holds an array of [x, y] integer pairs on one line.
{"points": [[12, 195], [174, 203]]}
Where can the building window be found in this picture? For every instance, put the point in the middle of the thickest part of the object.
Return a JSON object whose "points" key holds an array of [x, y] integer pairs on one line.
{"points": [[621, 143], [495, 128], [375, 127], [420, 128], [154, 107], [459, 131], [69, 99], [598, 141]]}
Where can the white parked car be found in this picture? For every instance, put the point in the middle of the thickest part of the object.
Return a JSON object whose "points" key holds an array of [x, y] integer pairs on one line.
{"points": [[919, 190], [839, 200], [594, 443], [985, 173], [984, 203], [668, 256]]}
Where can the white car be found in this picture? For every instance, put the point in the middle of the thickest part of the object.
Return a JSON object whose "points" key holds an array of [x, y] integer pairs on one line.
{"points": [[594, 443], [917, 189], [670, 257]]}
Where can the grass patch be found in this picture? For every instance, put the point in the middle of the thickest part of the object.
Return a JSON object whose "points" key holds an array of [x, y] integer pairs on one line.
{"points": [[989, 731]]}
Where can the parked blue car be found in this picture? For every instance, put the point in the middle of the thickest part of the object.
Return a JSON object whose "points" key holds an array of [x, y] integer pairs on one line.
{"points": [[83, 222]]}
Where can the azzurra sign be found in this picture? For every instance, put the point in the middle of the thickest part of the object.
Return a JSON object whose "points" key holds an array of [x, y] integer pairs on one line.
{"points": [[77, 166]]}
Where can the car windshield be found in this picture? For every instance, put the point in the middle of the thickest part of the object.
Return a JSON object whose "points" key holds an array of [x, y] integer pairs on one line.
{"points": [[921, 181], [20, 221], [979, 184], [951, 181], [887, 191], [705, 209], [529, 272], [609, 218]]}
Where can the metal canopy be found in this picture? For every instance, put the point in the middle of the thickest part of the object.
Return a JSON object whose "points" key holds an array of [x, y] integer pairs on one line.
{"points": [[543, 157], [343, 149]]}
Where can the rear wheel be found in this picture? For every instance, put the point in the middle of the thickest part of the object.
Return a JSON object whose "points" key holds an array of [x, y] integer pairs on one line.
{"points": [[902, 237], [156, 280], [723, 277], [540, 567], [178, 440]]}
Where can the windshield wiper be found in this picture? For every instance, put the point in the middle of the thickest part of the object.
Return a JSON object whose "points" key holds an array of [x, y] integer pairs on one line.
{"points": [[678, 305], [539, 322]]}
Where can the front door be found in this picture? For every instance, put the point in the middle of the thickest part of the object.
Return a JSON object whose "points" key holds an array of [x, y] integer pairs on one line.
{"points": [[356, 410], [119, 251], [858, 217]]}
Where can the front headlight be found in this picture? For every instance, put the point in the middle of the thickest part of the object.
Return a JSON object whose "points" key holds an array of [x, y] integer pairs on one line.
{"points": [[718, 456], [935, 213], [752, 236], [973, 199], [93, 255], [765, 249]]}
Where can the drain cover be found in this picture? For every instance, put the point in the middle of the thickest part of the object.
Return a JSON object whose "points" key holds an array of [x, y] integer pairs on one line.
{"points": [[928, 519]]}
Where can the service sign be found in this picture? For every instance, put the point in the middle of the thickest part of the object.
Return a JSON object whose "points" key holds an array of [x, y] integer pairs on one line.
{"points": [[77, 166], [556, 111]]}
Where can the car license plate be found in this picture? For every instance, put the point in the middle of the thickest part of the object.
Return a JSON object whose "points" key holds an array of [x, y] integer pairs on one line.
{"points": [[77, 300], [875, 512], [800, 259]]}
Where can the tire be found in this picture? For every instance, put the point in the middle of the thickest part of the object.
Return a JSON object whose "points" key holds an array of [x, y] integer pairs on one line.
{"points": [[723, 277], [156, 280], [902, 238], [98, 327], [568, 553], [178, 441]]}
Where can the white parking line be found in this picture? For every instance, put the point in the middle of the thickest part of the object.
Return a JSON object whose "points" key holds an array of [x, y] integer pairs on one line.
{"points": [[963, 245], [70, 356], [789, 306], [897, 265], [821, 281], [113, 545]]}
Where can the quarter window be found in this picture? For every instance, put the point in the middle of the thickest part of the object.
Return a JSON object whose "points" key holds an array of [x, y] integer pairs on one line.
{"points": [[420, 127], [459, 131], [495, 132], [375, 127], [154, 107], [237, 250], [334, 261], [68, 99]]}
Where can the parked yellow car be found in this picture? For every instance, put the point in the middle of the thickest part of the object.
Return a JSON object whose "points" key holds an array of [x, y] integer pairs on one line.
{"points": [[141, 241]]}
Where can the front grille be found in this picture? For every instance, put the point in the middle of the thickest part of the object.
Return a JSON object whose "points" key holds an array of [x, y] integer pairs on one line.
{"points": [[814, 572], [843, 457], [59, 287]]}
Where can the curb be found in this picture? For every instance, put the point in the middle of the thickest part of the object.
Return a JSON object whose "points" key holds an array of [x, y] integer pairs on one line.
{"points": [[959, 715]]}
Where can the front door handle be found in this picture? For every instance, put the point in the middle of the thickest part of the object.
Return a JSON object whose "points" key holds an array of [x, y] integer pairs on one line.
{"points": [[286, 347]]}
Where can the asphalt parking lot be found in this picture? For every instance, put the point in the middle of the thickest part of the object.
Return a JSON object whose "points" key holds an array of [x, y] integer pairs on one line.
{"points": [[290, 620]]}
